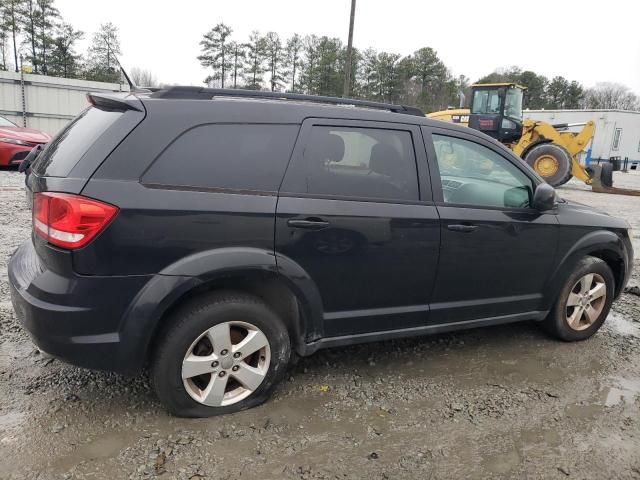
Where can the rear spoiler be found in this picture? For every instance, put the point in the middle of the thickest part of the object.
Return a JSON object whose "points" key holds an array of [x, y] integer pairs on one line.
{"points": [[105, 101]]}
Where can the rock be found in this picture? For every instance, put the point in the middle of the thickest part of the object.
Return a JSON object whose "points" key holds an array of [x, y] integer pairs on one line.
{"points": [[372, 456], [57, 428], [633, 290]]}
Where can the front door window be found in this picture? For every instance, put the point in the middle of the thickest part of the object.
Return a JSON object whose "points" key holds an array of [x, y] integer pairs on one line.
{"points": [[472, 174]]}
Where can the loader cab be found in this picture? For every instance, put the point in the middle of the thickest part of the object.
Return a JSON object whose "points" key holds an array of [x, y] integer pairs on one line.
{"points": [[496, 109]]}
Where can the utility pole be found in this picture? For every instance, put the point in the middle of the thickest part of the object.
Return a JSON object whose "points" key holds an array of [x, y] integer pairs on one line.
{"points": [[22, 94], [349, 65]]}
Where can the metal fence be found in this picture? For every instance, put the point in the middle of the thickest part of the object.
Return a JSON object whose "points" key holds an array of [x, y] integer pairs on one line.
{"points": [[46, 103]]}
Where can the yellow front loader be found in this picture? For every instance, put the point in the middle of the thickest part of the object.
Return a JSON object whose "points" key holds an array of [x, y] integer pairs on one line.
{"points": [[551, 150]]}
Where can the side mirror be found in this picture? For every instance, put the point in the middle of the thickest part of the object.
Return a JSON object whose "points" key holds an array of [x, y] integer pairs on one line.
{"points": [[544, 198]]}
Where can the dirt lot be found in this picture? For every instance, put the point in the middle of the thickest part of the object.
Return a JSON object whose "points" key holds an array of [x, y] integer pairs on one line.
{"points": [[503, 402]]}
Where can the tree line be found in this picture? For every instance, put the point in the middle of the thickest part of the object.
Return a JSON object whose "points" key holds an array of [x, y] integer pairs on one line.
{"points": [[560, 93], [34, 33], [316, 65]]}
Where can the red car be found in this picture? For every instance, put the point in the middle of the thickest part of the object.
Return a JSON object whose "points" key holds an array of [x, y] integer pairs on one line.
{"points": [[16, 142]]}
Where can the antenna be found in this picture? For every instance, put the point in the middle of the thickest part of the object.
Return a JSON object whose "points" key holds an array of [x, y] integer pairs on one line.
{"points": [[132, 86]]}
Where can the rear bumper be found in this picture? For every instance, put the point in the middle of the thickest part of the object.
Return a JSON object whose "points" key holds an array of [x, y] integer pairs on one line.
{"points": [[74, 318]]}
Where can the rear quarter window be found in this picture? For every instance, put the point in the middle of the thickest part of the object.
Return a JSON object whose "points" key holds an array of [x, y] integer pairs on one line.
{"points": [[72, 142], [230, 156]]}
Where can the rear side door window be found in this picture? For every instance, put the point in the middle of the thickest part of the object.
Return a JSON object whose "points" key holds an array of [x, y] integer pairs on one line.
{"points": [[472, 174], [354, 162]]}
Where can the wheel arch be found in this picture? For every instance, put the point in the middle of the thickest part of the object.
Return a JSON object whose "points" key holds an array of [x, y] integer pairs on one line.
{"points": [[282, 284], [603, 244]]}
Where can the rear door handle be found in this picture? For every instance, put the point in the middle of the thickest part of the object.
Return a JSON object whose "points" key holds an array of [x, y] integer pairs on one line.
{"points": [[308, 223], [462, 228]]}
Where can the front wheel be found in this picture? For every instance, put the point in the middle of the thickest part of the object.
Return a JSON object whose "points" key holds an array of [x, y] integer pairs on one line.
{"points": [[584, 301], [552, 162], [221, 353]]}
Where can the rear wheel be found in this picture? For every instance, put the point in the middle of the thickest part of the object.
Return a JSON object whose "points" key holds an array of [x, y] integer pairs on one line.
{"points": [[222, 353], [583, 303], [552, 162]]}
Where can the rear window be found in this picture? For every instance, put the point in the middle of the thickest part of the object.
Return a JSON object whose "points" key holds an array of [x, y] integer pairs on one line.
{"points": [[72, 142], [230, 156]]}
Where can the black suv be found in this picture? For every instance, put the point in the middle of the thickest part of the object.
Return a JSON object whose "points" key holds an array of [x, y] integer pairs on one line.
{"points": [[211, 234]]}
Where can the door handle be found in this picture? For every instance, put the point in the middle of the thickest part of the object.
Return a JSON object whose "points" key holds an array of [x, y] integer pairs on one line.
{"points": [[308, 223], [462, 228]]}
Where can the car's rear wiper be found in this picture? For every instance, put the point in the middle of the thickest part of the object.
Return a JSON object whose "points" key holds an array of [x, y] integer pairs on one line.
{"points": [[30, 158]]}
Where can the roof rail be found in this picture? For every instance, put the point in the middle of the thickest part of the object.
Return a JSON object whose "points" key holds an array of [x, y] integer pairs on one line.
{"points": [[201, 93]]}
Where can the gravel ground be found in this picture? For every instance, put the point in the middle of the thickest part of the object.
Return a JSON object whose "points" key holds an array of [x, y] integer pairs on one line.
{"points": [[503, 402]]}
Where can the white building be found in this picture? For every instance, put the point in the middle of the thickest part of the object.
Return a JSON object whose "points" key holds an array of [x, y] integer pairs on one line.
{"points": [[617, 132], [46, 103]]}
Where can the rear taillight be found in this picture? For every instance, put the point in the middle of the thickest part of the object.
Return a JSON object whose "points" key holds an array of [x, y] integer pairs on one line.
{"points": [[69, 221]]}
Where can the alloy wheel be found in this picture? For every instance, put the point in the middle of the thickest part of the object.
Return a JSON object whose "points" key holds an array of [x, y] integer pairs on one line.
{"points": [[226, 364], [586, 301]]}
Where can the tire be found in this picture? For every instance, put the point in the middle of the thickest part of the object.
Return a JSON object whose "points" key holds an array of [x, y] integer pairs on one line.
{"points": [[558, 324], [606, 175], [562, 182], [562, 173], [187, 331]]}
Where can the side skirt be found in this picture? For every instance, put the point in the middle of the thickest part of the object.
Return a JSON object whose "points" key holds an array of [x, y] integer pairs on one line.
{"points": [[330, 342]]}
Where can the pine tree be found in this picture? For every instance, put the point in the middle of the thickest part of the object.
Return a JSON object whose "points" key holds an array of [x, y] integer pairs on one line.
{"points": [[12, 14], [29, 21], [575, 95], [63, 60], [329, 72], [556, 92], [238, 54], [4, 46], [275, 57], [367, 74], [216, 52], [48, 15], [102, 58], [294, 52], [308, 71], [254, 67], [389, 79]]}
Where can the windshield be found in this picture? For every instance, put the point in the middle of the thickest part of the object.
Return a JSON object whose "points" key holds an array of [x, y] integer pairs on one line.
{"points": [[513, 103], [486, 102], [6, 123]]}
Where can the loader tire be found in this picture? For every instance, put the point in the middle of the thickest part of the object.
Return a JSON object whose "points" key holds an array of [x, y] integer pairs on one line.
{"points": [[552, 162], [606, 175]]}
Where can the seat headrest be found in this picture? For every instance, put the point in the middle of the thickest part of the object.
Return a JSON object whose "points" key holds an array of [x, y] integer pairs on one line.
{"points": [[385, 160], [325, 146], [334, 146]]}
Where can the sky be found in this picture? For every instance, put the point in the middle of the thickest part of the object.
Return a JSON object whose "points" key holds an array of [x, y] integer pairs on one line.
{"points": [[588, 41]]}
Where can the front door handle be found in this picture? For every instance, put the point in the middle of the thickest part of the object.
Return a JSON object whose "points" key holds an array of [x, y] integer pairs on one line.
{"points": [[311, 223], [462, 228]]}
